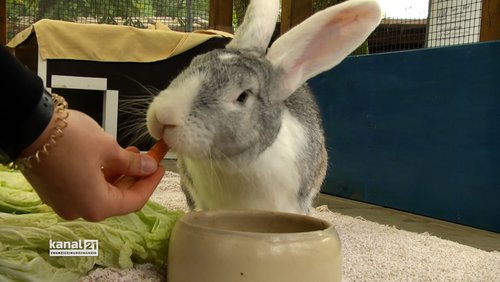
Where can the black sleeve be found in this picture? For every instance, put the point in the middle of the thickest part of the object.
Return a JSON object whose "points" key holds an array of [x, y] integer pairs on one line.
{"points": [[25, 110]]}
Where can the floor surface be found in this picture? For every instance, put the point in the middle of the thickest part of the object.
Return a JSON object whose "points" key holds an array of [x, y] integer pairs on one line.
{"points": [[477, 238]]}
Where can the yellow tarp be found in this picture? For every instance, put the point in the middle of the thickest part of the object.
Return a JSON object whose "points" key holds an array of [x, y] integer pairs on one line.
{"points": [[110, 43]]}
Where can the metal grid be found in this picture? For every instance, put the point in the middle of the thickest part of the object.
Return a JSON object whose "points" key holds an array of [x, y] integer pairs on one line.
{"points": [[319, 5], [239, 8], [454, 22], [441, 23], [398, 34], [179, 15]]}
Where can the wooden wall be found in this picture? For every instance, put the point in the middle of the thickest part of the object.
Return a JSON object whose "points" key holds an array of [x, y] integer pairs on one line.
{"points": [[3, 22], [490, 20]]}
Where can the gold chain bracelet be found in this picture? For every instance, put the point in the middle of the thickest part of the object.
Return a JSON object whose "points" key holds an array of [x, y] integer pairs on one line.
{"points": [[61, 107]]}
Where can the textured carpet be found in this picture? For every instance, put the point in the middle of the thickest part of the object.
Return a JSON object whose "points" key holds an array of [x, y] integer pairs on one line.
{"points": [[371, 251]]}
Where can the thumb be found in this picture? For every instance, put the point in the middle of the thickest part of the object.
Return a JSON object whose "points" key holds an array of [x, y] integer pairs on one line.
{"points": [[133, 164]]}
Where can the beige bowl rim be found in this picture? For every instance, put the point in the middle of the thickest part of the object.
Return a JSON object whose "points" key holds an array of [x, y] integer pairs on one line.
{"points": [[323, 226]]}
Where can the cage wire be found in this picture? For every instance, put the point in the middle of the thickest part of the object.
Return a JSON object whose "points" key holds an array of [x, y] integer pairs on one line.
{"points": [[178, 15], [438, 23], [239, 9], [416, 24], [454, 22]]}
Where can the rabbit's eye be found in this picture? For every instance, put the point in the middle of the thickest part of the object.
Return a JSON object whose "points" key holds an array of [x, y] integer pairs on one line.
{"points": [[243, 97]]}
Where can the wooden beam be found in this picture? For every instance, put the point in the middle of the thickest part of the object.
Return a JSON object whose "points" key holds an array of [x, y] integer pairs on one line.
{"points": [[294, 12], [221, 15], [490, 20], [3, 22]]}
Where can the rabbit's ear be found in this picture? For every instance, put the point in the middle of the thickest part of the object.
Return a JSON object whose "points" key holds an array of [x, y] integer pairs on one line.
{"points": [[322, 41], [255, 32]]}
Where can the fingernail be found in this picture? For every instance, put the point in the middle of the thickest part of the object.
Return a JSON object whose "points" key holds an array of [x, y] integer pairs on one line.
{"points": [[148, 164]]}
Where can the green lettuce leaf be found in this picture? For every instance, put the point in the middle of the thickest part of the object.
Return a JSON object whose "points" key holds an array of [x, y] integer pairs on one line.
{"points": [[27, 226], [17, 195]]}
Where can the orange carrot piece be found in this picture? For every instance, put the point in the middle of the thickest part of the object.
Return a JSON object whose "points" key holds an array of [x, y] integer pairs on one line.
{"points": [[159, 150]]}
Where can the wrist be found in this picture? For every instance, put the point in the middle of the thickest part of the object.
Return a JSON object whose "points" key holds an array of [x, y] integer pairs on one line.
{"points": [[41, 139], [48, 138]]}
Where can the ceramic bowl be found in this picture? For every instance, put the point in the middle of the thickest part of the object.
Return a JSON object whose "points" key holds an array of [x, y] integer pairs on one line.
{"points": [[244, 245]]}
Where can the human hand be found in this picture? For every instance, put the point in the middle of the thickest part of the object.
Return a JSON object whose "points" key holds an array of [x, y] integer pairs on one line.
{"points": [[82, 174]]}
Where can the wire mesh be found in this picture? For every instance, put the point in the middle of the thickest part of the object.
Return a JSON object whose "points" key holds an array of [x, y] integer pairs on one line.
{"points": [[407, 24], [454, 22], [421, 23], [239, 8], [179, 15], [319, 5]]}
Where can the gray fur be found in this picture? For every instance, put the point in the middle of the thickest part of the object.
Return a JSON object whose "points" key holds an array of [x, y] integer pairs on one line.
{"points": [[246, 134], [314, 158], [266, 151]]}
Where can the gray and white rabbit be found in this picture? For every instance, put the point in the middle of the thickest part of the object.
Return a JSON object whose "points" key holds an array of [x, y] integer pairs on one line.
{"points": [[246, 128]]}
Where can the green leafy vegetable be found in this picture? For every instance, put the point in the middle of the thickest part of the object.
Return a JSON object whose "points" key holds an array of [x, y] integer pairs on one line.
{"points": [[27, 226]]}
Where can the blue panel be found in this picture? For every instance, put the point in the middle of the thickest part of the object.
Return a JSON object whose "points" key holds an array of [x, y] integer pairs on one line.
{"points": [[417, 131]]}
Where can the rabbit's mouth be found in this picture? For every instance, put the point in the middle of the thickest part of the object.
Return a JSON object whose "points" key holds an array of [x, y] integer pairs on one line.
{"points": [[195, 144]]}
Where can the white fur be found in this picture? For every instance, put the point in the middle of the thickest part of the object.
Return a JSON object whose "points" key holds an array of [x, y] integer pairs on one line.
{"points": [[255, 185], [272, 180], [258, 26], [172, 105], [226, 56], [322, 41]]}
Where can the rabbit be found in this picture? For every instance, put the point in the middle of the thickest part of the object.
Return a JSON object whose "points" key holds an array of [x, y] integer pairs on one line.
{"points": [[245, 126]]}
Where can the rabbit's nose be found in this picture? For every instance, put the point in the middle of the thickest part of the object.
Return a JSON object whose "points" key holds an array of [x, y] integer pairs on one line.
{"points": [[163, 115], [169, 117], [171, 107]]}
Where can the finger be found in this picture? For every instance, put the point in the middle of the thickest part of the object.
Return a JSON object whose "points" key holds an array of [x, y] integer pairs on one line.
{"points": [[126, 162], [133, 149], [65, 213], [111, 175], [126, 196], [112, 199]]}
